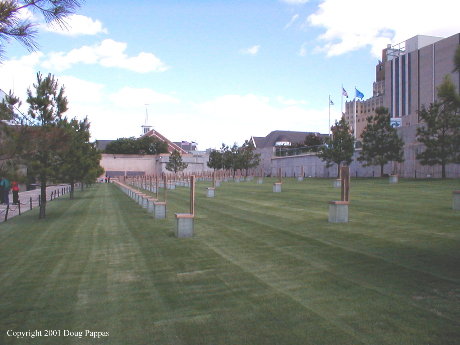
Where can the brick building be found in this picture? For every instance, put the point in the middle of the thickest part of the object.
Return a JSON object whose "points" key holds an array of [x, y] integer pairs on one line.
{"points": [[406, 80]]}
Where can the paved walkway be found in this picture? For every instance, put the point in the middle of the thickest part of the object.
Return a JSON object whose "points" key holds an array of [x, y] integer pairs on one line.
{"points": [[25, 197]]}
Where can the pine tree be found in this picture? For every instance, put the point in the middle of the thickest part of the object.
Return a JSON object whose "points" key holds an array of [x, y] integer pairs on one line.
{"points": [[43, 139], [381, 143], [339, 147], [14, 26], [9, 135], [81, 158]]}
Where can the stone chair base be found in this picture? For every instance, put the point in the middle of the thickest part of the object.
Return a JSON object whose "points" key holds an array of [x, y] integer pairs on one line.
{"points": [[184, 225], [393, 179], [456, 200], [159, 210], [338, 211], [151, 205]]}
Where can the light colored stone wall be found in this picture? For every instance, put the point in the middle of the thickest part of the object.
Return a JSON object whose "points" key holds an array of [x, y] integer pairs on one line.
{"points": [[151, 164], [196, 163], [120, 162], [314, 167]]}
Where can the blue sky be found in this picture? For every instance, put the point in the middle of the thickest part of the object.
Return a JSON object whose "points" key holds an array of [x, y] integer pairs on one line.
{"points": [[219, 71]]}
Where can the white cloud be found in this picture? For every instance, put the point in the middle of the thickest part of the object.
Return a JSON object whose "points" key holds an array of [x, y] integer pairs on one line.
{"points": [[254, 50], [81, 91], [295, 2], [134, 97], [303, 50], [108, 53], [26, 14], [286, 101], [354, 24], [292, 21], [109, 122], [75, 25], [227, 119], [232, 118], [18, 75]]}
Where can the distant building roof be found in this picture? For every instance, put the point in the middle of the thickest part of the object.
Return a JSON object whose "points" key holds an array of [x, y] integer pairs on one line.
{"points": [[171, 145], [186, 145], [281, 136]]}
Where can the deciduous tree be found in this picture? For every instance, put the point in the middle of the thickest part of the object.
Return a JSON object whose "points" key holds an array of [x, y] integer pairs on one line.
{"points": [[246, 156], [381, 143], [175, 163], [440, 130], [140, 146], [339, 147], [215, 160], [313, 142]]}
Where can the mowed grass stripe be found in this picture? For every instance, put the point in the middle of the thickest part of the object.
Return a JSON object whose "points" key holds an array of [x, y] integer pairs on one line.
{"points": [[257, 301], [378, 271], [277, 220], [35, 261], [403, 241], [253, 274], [116, 289]]}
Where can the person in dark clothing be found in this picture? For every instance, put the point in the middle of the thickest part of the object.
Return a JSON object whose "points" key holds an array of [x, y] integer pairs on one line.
{"points": [[5, 186], [1, 190], [15, 190]]}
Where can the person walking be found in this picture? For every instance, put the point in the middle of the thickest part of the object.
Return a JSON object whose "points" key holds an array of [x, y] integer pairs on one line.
{"points": [[1, 189], [5, 186], [15, 190]]}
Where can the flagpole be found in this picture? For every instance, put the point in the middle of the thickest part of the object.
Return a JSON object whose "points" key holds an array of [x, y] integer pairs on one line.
{"points": [[354, 119], [341, 103], [329, 116]]}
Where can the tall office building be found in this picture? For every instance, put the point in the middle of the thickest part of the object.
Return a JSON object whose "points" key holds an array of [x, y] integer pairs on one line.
{"points": [[407, 78], [413, 71]]}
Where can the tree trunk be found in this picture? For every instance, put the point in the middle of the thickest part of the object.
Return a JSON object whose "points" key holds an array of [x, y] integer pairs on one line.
{"points": [[338, 170], [381, 170], [72, 189], [42, 213], [443, 170]]}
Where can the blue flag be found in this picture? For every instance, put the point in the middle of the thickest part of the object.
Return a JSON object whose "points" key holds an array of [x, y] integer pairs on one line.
{"points": [[359, 94]]}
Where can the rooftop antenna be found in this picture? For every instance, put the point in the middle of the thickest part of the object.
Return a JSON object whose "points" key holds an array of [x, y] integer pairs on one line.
{"points": [[146, 114], [146, 128]]}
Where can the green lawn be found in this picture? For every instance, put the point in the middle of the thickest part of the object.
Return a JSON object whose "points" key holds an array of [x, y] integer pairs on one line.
{"points": [[262, 268]]}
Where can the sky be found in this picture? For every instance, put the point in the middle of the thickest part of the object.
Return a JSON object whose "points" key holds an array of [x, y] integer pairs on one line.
{"points": [[218, 71]]}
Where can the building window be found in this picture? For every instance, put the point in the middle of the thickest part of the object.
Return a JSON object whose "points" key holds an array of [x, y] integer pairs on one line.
{"points": [[282, 143]]}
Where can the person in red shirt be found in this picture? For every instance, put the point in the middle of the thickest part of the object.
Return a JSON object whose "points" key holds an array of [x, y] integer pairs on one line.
{"points": [[15, 189]]}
